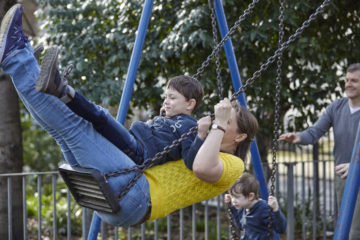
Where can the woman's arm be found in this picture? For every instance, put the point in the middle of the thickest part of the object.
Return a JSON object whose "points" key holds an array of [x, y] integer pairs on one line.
{"points": [[207, 165]]}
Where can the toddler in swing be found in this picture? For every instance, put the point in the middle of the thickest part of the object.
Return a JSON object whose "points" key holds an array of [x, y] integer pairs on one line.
{"points": [[250, 213], [183, 95]]}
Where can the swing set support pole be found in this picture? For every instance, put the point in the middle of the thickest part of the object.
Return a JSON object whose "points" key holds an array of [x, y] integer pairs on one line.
{"points": [[236, 79], [128, 89], [135, 60], [350, 195]]}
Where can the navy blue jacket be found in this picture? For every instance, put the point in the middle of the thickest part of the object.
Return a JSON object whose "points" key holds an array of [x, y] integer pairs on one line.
{"points": [[162, 131], [253, 223]]}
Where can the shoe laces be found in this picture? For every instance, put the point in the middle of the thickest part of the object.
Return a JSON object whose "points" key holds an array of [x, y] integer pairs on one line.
{"points": [[19, 38], [67, 71]]}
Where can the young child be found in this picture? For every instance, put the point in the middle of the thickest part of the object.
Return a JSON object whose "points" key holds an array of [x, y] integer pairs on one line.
{"points": [[250, 213], [183, 95]]}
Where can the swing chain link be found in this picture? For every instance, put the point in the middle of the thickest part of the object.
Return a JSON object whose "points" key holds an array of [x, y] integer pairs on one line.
{"points": [[232, 225], [279, 51], [275, 143], [139, 169], [217, 58], [216, 50]]}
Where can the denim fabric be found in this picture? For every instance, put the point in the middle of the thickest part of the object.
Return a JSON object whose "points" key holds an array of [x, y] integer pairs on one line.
{"points": [[81, 143], [107, 126], [143, 140]]}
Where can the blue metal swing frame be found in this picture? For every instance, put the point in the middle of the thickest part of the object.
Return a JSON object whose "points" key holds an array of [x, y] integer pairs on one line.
{"points": [[131, 76], [349, 194]]}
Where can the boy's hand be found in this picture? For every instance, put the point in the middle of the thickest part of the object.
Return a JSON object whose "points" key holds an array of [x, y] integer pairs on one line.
{"points": [[203, 126], [227, 198], [273, 203], [162, 111], [290, 137]]}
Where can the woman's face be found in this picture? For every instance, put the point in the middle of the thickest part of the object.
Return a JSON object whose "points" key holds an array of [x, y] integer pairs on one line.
{"points": [[231, 137]]}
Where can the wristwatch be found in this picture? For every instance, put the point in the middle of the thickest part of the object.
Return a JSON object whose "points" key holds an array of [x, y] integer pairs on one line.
{"points": [[215, 126]]}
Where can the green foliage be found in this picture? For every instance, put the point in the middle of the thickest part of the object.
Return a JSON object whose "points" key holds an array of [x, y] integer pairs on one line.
{"points": [[98, 37], [47, 209]]}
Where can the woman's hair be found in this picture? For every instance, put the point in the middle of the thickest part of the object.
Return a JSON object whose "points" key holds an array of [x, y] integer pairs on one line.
{"points": [[245, 185], [248, 124]]}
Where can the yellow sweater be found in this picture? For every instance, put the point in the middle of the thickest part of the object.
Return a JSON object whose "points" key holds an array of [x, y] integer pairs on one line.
{"points": [[175, 186]]}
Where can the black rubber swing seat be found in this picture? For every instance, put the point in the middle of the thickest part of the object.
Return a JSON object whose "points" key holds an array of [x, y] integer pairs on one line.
{"points": [[89, 188]]}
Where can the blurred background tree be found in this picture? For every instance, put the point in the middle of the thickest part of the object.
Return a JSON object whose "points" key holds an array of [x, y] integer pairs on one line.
{"points": [[98, 36]]}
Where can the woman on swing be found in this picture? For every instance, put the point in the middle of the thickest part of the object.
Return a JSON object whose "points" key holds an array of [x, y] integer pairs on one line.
{"points": [[157, 191]]}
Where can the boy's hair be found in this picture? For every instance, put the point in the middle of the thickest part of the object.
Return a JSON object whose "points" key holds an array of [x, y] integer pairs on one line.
{"points": [[189, 87], [353, 67], [248, 124], [245, 185]]}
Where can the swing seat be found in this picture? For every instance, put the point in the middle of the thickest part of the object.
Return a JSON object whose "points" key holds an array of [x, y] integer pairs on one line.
{"points": [[89, 188]]}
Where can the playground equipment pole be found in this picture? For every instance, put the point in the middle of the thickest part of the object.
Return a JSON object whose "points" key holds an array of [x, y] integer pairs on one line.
{"points": [[350, 193], [128, 89], [236, 79]]}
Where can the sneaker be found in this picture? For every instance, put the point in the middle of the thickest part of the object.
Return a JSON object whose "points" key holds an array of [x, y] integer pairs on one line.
{"points": [[38, 50], [12, 35], [50, 81]]}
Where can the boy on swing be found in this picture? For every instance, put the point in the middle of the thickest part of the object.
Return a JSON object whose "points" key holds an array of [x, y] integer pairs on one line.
{"points": [[183, 95], [251, 214]]}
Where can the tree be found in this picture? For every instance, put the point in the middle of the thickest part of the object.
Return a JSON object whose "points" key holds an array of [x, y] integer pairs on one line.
{"points": [[10, 149], [98, 37]]}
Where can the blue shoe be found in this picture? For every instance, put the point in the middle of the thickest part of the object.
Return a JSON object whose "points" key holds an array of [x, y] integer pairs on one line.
{"points": [[12, 35]]}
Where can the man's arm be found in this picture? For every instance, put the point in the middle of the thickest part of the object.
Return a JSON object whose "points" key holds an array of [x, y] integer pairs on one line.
{"points": [[312, 134]]}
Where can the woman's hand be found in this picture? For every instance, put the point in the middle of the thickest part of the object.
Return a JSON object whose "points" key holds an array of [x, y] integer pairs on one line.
{"points": [[203, 126], [222, 112]]}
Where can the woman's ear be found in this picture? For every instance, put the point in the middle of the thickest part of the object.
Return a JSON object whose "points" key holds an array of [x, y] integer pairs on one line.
{"points": [[240, 137]]}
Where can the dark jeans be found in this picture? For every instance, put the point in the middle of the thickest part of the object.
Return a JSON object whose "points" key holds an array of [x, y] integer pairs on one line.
{"points": [[108, 127]]}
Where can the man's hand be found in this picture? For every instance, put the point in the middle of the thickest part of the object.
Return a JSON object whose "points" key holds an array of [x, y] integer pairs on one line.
{"points": [[342, 169], [290, 137]]}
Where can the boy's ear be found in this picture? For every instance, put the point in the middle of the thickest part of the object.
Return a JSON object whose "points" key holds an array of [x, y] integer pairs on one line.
{"points": [[191, 104], [251, 196]]}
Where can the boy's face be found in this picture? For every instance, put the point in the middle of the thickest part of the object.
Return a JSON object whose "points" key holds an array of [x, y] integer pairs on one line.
{"points": [[175, 103], [240, 201]]}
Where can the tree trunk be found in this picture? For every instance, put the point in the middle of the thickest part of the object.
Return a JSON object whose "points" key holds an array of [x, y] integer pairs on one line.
{"points": [[10, 150]]}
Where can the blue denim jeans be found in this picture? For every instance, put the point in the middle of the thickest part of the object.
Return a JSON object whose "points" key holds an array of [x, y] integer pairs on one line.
{"points": [[81, 144], [107, 126]]}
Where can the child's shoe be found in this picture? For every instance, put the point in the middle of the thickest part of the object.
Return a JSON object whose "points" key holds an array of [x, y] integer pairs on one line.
{"points": [[12, 36], [50, 81]]}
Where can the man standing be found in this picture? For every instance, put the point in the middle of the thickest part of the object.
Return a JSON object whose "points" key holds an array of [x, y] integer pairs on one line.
{"points": [[344, 116]]}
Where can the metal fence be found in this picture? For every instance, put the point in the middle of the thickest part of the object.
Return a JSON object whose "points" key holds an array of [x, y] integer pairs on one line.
{"points": [[304, 187]]}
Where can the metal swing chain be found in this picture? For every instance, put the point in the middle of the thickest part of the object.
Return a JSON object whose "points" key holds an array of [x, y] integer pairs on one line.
{"points": [[217, 58], [139, 169], [279, 51], [275, 143], [217, 48]]}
